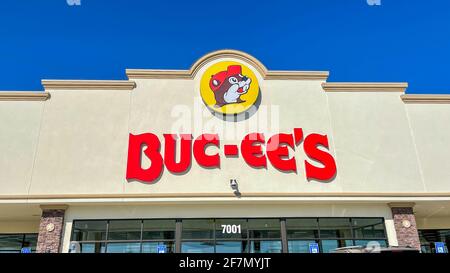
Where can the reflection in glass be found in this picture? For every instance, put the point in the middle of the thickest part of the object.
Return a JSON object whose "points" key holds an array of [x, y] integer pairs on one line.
{"points": [[92, 248], [265, 247], [264, 228], [335, 228], [198, 229], [302, 228], [124, 230], [89, 230], [240, 235], [428, 238], [11, 242], [158, 229], [365, 242], [123, 248], [329, 245], [30, 240], [197, 247], [231, 247], [368, 228]]}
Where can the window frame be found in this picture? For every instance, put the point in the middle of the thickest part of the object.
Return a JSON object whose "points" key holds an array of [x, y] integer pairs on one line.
{"points": [[178, 229], [140, 240], [22, 242]]}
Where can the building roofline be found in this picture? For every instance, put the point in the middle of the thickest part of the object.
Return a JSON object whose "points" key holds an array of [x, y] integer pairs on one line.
{"points": [[218, 195], [24, 96], [226, 53], [426, 99], [88, 84], [365, 86]]}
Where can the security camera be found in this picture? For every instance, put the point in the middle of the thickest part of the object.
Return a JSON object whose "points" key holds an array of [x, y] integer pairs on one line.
{"points": [[233, 184]]}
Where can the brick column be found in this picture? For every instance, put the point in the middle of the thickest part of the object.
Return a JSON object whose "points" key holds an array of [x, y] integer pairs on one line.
{"points": [[50, 229], [405, 224]]}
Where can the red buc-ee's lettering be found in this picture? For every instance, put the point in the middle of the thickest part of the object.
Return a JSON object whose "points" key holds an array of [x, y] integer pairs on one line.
{"points": [[310, 146], [200, 145], [134, 166], [277, 151], [170, 152], [252, 152]]}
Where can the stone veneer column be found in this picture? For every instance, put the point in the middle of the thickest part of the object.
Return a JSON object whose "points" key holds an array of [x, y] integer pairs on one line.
{"points": [[405, 224], [50, 229]]}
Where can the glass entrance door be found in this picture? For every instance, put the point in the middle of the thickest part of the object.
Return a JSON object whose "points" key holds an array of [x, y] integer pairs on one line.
{"points": [[231, 236]]}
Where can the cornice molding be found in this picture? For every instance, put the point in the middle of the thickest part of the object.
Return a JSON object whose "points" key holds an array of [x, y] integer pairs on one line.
{"points": [[23, 96], [364, 86], [88, 85], [401, 204], [54, 207], [426, 99], [226, 53], [216, 195]]}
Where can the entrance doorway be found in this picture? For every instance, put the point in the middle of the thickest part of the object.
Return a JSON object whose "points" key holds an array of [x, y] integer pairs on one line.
{"points": [[226, 235]]}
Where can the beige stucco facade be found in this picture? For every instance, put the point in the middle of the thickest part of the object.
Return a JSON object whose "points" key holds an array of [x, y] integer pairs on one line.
{"points": [[70, 147]]}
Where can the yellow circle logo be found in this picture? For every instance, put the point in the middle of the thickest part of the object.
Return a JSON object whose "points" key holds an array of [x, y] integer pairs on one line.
{"points": [[229, 87]]}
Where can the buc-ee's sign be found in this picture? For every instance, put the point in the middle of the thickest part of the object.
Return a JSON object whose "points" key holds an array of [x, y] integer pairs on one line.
{"points": [[228, 88], [256, 149]]}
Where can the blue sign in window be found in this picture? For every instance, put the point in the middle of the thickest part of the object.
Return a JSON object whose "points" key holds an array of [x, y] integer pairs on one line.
{"points": [[161, 249], [313, 248], [25, 250], [440, 247]]}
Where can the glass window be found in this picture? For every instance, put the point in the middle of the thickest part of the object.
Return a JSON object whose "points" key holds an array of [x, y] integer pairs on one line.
{"points": [[158, 230], [368, 228], [92, 247], [123, 247], [426, 248], [265, 246], [198, 229], [231, 228], [30, 240], [124, 230], [382, 243], [264, 228], [197, 247], [329, 245], [302, 228], [221, 235], [11, 242], [231, 247], [152, 247], [300, 246], [428, 238], [89, 230], [335, 228]]}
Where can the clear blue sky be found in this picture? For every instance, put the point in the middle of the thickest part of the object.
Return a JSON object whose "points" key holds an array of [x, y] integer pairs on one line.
{"points": [[401, 40]]}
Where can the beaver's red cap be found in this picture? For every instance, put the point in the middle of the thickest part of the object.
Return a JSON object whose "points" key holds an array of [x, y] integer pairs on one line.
{"points": [[217, 80]]}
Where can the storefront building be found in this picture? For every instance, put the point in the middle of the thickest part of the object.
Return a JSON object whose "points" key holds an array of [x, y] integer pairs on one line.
{"points": [[227, 156]]}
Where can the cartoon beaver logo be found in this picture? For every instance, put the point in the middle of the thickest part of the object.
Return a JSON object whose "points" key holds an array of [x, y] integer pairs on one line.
{"points": [[228, 86]]}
